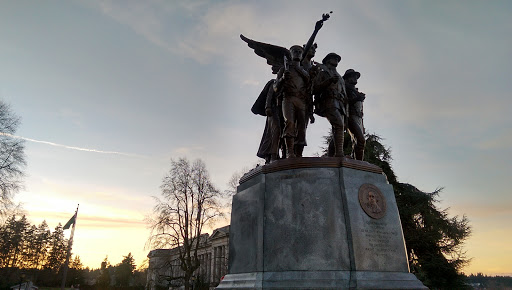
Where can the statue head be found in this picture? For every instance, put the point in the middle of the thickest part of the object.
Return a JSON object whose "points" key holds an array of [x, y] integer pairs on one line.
{"points": [[351, 73], [332, 59], [296, 52], [351, 76]]}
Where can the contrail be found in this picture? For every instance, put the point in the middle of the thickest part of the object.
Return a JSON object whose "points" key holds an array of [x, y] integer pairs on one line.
{"points": [[69, 147]]}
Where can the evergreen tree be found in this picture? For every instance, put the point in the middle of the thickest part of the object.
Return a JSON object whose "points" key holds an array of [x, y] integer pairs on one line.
{"points": [[124, 270], [75, 272], [12, 238], [434, 240], [58, 249], [40, 245], [6, 242], [75, 263], [28, 252]]}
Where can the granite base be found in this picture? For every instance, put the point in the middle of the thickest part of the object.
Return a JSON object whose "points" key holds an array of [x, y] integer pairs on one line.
{"points": [[309, 224]]}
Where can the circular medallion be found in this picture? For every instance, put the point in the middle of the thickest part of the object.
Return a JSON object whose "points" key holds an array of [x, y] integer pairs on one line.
{"points": [[372, 201]]}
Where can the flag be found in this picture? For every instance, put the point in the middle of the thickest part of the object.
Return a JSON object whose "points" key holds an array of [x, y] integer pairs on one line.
{"points": [[70, 222]]}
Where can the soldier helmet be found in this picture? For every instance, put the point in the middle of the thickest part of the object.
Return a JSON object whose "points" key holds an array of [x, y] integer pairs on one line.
{"points": [[351, 72], [331, 55]]}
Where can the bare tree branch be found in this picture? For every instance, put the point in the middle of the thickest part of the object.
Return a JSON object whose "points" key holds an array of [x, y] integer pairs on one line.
{"points": [[12, 159], [189, 200]]}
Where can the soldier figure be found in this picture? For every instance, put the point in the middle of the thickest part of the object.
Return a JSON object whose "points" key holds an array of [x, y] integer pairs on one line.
{"points": [[355, 119], [330, 98], [293, 85], [310, 66], [293, 80]]}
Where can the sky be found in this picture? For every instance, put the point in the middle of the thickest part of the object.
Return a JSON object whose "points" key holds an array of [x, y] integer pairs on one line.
{"points": [[110, 91]]}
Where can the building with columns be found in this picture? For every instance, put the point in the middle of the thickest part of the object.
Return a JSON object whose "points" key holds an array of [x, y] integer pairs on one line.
{"points": [[164, 271]]}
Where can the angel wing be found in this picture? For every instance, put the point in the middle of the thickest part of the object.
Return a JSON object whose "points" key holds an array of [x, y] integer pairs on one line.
{"points": [[272, 53]]}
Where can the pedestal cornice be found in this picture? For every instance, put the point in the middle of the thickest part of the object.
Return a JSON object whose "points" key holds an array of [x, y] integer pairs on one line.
{"points": [[310, 162]]}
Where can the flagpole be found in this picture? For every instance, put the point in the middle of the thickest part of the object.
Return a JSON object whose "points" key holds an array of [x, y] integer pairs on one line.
{"points": [[70, 244]]}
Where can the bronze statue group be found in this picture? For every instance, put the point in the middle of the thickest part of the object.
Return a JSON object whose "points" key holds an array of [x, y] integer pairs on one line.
{"points": [[303, 88]]}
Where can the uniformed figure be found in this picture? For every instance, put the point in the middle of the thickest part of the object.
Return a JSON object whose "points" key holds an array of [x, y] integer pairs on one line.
{"points": [[293, 80], [330, 99], [312, 68], [355, 119]]}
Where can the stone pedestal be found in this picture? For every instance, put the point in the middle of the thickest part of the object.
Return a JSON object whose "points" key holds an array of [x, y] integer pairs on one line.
{"points": [[316, 223]]}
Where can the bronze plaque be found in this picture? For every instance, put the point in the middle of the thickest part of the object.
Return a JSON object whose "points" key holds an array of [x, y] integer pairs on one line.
{"points": [[372, 201]]}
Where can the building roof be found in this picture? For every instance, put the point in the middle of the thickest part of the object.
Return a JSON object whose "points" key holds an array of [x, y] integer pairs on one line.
{"points": [[220, 232], [205, 239]]}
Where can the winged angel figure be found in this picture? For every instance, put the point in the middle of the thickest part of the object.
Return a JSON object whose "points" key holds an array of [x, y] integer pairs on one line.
{"points": [[286, 100]]}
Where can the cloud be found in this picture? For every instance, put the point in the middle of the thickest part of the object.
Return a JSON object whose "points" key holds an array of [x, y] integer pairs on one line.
{"points": [[144, 18], [90, 221], [199, 30], [70, 147], [216, 27], [502, 141], [105, 222], [76, 118], [188, 150]]}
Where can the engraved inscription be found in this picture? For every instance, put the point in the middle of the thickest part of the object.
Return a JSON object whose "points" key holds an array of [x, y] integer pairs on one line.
{"points": [[379, 239], [372, 201]]}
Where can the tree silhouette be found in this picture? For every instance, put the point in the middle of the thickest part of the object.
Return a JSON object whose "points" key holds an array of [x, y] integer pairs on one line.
{"points": [[58, 249], [12, 159], [124, 270], [13, 242], [189, 201], [434, 240]]}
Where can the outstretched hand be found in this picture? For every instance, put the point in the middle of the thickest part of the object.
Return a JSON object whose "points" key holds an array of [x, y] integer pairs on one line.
{"points": [[319, 24]]}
